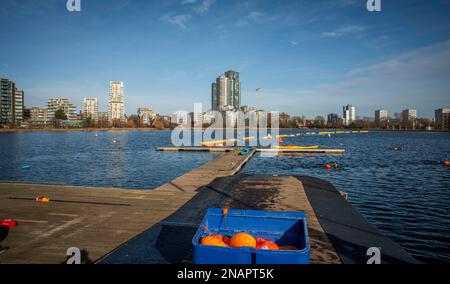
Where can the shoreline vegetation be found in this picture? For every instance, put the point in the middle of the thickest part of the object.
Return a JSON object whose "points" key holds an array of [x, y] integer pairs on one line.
{"points": [[2, 130]]}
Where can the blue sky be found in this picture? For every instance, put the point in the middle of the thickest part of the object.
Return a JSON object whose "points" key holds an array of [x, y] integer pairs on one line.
{"points": [[308, 57]]}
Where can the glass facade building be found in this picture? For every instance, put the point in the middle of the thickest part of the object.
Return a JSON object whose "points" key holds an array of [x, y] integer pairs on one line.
{"points": [[226, 92]]}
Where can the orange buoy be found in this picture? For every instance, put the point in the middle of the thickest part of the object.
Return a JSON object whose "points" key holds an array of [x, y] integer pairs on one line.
{"points": [[328, 166], [216, 241], [226, 240], [288, 248], [42, 199], [266, 244], [446, 163], [242, 240]]}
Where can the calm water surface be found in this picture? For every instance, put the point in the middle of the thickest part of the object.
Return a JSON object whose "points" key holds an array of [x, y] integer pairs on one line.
{"points": [[104, 158], [405, 194]]}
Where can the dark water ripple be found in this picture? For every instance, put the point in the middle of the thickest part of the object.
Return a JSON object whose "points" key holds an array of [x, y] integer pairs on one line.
{"points": [[405, 194]]}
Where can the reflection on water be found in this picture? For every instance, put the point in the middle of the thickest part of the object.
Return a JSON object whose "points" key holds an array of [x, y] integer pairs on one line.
{"points": [[116, 157]]}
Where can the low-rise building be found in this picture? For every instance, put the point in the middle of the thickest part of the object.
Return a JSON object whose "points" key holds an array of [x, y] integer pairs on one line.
{"points": [[146, 116], [381, 115], [39, 118], [409, 115], [55, 104], [333, 120]]}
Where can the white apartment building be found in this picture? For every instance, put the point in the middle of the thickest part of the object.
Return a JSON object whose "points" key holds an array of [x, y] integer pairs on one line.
{"points": [[223, 92], [90, 108], [349, 114], [409, 115], [18, 107], [61, 103], [381, 115], [116, 108]]}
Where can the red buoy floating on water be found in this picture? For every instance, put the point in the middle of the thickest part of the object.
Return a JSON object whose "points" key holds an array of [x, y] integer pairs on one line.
{"points": [[336, 166], [446, 163], [328, 167]]}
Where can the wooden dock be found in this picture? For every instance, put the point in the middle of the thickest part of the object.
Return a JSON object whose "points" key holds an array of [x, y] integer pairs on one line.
{"points": [[96, 220]]}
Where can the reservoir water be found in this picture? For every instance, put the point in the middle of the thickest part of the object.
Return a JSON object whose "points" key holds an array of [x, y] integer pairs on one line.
{"points": [[406, 194]]}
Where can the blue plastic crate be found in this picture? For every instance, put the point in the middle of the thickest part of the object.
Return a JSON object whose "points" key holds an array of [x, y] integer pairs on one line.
{"points": [[284, 228]]}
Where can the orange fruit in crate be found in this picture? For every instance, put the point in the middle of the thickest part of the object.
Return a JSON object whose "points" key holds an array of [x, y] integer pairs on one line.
{"points": [[288, 248], [216, 241], [242, 240]]}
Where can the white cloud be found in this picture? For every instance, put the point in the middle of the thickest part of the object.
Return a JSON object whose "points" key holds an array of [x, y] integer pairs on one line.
{"points": [[353, 29], [330, 34], [178, 20], [254, 17], [187, 2]]}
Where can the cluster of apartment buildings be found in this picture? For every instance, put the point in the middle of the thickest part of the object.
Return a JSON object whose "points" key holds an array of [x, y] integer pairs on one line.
{"points": [[382, 118], [409, 116], [225, 98], [13, 113]]}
